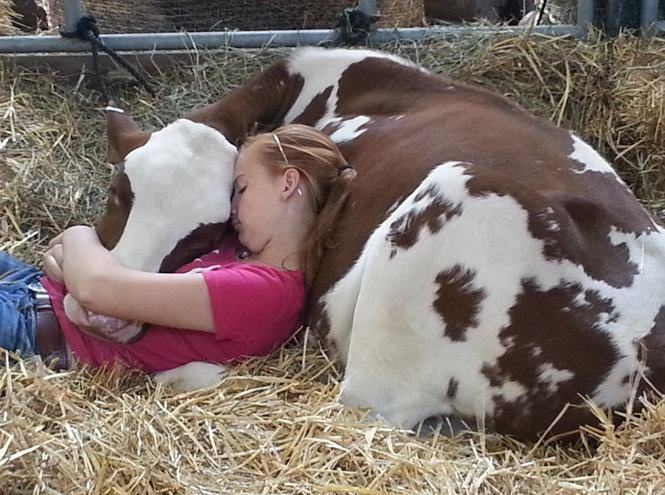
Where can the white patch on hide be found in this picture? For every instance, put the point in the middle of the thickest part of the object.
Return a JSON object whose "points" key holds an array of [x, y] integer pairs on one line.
{"points": [[349, 130], [322, 68], [339, 304], [592, 161], [552, 376]]}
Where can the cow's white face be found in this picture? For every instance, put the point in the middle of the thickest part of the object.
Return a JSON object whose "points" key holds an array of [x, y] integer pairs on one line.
{"points": [[176, 184]]}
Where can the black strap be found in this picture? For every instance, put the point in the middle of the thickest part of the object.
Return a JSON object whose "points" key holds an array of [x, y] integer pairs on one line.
{"points": [[87, 30], [541, 12]]}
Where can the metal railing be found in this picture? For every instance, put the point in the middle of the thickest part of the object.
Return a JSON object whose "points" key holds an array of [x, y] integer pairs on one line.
{"points": [[30, 44], [651, 24]]}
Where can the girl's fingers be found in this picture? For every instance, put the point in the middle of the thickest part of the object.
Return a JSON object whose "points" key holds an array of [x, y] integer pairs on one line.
{"points": [[56, 240], [52, 268], [52, 260], [57, 253]]}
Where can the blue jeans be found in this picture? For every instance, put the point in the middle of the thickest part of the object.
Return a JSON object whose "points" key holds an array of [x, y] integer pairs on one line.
{"points": [[18, 319]]}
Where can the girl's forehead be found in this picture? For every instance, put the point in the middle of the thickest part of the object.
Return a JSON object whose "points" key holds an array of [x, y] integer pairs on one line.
{"points": [[250, 164], [244, 161]]}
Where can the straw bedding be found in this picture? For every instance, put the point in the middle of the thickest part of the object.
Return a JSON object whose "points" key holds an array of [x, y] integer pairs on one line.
{"points": [[273, 425]]}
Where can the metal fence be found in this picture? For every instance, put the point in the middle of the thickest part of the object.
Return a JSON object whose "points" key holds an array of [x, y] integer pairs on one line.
{"points": [[71, 11]]}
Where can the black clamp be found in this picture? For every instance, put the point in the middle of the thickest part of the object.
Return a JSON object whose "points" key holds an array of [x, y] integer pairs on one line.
{"points": [[88, 30], [354, 25]]}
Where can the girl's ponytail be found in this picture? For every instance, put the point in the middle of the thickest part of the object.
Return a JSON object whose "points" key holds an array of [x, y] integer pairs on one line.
{"points": [[320, 235]]}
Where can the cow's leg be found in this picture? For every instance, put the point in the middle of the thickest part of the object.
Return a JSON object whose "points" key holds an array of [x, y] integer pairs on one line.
{"points": [[397, 356], [339, 307]]}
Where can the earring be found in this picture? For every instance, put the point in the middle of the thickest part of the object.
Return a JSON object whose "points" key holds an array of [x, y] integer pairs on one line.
{"points": [[299, 192]]}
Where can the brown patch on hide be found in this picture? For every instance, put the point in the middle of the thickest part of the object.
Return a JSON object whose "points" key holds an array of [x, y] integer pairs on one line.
{"points": [[315, 110], [458, 301], [257, 106], [569, 337], [452, 388], [202, 240], [119, 203], [317, 319], [572, 226], [585, 239], [405, 230]]}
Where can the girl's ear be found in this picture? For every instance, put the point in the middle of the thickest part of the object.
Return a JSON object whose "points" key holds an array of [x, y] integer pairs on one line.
{"points": [[291, 183]]}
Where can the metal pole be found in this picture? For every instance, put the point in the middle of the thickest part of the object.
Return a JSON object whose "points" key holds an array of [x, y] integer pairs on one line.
{"points": [[584, 17], [648, 16], [72, 12], [250, 39], [368, 6], [621, 15]]}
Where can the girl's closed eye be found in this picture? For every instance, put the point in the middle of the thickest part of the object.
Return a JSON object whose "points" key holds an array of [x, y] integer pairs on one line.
{"points": [[241, 189]]}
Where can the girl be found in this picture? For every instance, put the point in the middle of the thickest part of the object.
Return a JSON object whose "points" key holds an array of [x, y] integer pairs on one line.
{"points": [[243, 299]]}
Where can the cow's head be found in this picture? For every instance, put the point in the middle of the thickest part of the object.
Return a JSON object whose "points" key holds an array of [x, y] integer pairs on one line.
{"points": [[170, 194]]}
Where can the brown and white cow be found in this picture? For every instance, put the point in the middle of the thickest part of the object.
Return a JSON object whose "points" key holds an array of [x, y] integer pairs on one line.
{"points": [[488, 265]]}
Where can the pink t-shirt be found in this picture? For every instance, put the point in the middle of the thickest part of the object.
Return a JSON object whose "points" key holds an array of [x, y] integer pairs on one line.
{"points": [[256, 308]]}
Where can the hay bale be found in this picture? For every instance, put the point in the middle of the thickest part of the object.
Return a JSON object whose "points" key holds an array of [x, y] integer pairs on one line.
{"points": [[273, 425], [400, 13], [24, 16], [641, 88], [7, 14], [461, 11], [117, 16]]}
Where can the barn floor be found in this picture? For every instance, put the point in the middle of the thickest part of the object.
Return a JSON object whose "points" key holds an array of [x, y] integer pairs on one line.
{"points": [[273, 425]]}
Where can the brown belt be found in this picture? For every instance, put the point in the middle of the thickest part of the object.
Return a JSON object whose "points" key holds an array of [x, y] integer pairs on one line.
{"points": [[50, 342]]}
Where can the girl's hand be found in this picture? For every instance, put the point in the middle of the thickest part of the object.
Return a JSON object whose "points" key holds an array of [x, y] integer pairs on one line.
{"points": [[52, 259], [84, 260]]}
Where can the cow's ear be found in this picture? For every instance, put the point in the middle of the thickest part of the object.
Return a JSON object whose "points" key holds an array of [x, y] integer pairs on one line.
{"points": [[123, 135]]}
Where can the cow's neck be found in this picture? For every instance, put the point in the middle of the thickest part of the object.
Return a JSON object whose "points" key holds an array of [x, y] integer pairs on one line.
{"points": [[258, 106]]}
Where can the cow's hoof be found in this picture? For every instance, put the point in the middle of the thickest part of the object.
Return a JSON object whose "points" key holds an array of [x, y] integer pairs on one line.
{"points": [[447, 426]]}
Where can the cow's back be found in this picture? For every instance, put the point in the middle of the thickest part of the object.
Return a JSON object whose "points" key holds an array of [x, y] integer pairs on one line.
{"points": [[403, 122]]}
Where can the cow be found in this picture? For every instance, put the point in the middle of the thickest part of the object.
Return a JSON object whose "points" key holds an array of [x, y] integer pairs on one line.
{"points": [[488, 267]]}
